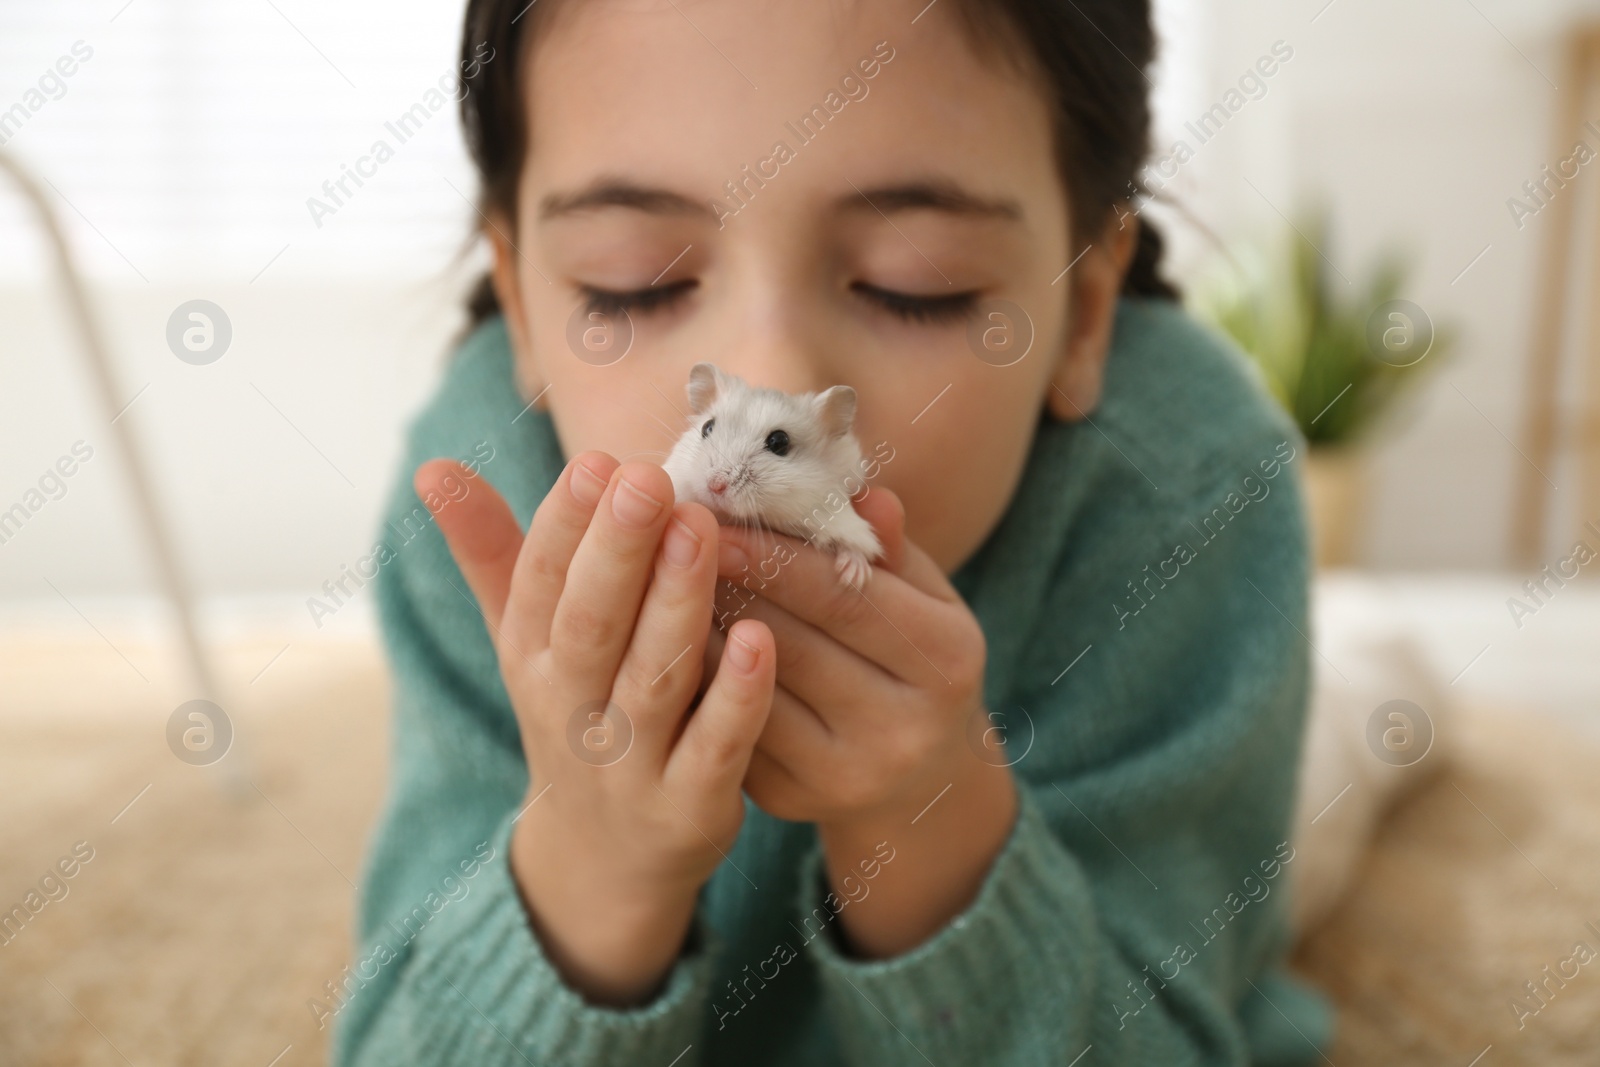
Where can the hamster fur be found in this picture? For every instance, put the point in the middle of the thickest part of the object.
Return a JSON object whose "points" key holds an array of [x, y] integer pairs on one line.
{"points": [[758, 456]]}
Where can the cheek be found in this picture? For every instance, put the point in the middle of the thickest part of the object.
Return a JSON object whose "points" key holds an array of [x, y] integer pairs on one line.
{"points": [[616, 410], [956, 467]]}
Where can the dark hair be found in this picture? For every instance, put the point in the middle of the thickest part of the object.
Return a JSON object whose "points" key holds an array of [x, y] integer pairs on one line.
{"points": [[1091, 55]]}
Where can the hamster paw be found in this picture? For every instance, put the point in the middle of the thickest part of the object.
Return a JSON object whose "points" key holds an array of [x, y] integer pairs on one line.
{"points": [[853, 566]]}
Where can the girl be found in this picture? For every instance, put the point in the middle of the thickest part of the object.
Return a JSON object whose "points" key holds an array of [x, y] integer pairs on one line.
{"points": [[1024, 796]]}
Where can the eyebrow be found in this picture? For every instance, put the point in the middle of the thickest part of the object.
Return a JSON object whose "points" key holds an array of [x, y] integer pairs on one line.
{"points": [[935, 194], [930, 194], [620, 192]]}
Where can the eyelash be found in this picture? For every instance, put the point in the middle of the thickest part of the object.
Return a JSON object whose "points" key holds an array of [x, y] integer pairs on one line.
{"points": [[642, 301], [923, 309], [920, 309]]}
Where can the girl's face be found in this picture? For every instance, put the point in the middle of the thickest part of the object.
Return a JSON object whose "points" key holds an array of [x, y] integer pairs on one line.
{"points": [[806, 195]]}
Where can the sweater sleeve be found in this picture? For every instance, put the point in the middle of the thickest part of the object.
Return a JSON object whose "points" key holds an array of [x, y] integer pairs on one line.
{"points": [[448, 968], [1136, 908]]}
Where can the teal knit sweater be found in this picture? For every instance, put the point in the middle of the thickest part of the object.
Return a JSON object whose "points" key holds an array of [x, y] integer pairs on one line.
{"points": [[1144, 601]]}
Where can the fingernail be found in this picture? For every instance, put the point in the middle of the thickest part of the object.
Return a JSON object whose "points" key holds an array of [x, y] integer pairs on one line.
{"points": [[683, 544], [742, 655], [586, 485], [632, 506], [731, 558]]}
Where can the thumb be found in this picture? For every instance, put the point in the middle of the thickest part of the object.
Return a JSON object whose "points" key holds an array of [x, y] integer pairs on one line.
{"points": [[478, 527], [902, 557], [887, 515]]}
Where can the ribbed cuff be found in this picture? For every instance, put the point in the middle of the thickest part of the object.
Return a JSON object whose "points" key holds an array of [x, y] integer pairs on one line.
{"points": [[497, 999], [969, 993]]}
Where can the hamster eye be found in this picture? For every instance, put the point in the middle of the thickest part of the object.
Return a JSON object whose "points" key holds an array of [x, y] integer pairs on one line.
{"points": [[778, 443], [705, 431]]}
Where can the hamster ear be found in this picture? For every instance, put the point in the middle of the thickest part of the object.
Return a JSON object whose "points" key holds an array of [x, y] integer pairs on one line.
{"points": [[705, 382], [836, 409]]}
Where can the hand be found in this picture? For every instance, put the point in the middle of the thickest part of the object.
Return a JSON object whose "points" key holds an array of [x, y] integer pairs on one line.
{"points": [[876, 690], [876, 686], [596, 605]]}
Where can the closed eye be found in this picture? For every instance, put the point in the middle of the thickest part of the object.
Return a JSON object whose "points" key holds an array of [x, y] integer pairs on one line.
{"points": [[633, 301], [928, 309]]}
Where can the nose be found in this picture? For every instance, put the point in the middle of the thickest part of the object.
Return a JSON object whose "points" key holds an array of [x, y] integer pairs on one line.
{"points": [[717, 483], [782, 338]]}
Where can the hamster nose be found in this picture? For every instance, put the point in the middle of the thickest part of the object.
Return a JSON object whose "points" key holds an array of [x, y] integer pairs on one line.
{"points": [[717, 483]]}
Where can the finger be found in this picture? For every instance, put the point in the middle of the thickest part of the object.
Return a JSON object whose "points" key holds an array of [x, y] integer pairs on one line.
{"points": [[714, 751], [793, 727], [557, 528], [887, 516], [594, 619], [884, 509], [662, 665], [478, 527], [822, 673], [774, 789], [890, 622], [554, 535], [885, 512]]}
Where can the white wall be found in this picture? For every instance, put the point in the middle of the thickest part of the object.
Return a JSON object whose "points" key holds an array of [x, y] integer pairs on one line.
{"points": [[1416, 121], [272, 461], [182, 154]]}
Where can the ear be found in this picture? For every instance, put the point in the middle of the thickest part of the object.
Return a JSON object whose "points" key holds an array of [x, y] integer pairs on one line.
{"points": [[836, 409], [705, 383], [504, 276], [1091, 313]]}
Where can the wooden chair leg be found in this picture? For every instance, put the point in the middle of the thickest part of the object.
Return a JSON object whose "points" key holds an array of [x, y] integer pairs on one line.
{"points": [[1530, 516]]}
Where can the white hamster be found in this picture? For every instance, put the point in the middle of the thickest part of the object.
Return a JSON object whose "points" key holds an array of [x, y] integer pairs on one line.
{"points": [[758, 456]]}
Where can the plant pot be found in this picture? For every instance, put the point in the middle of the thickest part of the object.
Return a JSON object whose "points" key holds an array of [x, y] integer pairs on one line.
{"points": [[1336, 496]]}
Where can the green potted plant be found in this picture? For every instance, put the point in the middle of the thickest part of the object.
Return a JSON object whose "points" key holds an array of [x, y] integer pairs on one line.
{"points": [[1335, 351]]}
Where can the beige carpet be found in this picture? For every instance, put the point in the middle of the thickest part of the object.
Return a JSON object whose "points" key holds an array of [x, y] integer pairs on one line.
{"points": [[1475, 885], [215, 907]]}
